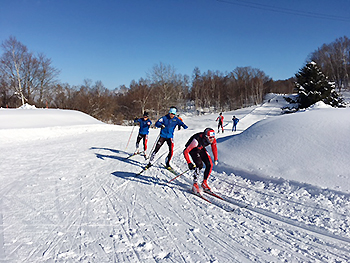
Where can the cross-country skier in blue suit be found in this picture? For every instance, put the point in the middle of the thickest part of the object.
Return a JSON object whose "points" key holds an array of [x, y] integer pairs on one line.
{"points": [[234, 124], [145, 123], [167, 124]]}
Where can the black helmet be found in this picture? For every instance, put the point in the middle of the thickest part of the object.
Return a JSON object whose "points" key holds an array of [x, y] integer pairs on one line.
{"points": [[145, 114]]}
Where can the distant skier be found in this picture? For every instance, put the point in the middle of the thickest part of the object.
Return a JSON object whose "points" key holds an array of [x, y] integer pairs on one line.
{"points": [[167, 124], [195, 147], [145, 123], [234, 124], [220, 118]]}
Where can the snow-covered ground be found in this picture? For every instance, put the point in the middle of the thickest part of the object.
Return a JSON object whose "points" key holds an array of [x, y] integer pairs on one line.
{"points": [[69, 195]]}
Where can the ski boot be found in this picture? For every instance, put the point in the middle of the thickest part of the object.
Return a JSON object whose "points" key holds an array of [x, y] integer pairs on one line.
{"points": [[195, 189], [167, 164], [205, 186], [148, 166]]}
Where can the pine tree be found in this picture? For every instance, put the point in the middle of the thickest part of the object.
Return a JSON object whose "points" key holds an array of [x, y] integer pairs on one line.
{"points": [[314, 86]]}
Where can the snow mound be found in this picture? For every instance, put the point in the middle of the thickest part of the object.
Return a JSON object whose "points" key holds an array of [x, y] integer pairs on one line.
{"points": [[30, 117], [298, 147], [320, 105], [27, 107]]}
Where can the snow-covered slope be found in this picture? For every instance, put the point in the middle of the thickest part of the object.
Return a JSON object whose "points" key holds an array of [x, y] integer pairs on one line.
{"points": [[29, 117], [69, 195]]}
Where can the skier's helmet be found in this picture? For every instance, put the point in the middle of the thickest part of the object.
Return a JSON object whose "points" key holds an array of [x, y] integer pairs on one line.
{"points": [[209, 133], [172, 110], [145, 114]]}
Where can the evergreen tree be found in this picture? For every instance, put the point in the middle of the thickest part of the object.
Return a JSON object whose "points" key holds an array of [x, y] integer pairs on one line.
{"points": [[314, 86]]}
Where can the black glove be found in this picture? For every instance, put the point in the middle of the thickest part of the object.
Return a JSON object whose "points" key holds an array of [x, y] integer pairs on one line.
{"points": [[162, 126], [191, 166]]}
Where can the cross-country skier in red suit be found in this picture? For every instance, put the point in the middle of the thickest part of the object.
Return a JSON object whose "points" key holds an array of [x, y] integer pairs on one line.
{"points": [[221, 122], [195, 147]]}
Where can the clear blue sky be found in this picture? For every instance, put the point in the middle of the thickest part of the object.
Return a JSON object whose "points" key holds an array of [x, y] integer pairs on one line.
{"points": [[117, 41]]}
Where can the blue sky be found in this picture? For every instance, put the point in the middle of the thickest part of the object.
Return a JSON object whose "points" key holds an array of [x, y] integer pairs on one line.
{"points": [[117, 41]]}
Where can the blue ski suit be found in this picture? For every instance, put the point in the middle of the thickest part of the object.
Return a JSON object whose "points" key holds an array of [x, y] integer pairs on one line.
{"points": [[168, 131], [144, 125], [167, 126]]}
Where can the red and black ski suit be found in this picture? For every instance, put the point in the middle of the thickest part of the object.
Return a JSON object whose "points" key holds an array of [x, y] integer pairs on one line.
{"points": [[221, 122], [195, 147]]}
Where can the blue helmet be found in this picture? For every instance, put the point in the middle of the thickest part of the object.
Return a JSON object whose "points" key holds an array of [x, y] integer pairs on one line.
{"points": [[172, 111]]}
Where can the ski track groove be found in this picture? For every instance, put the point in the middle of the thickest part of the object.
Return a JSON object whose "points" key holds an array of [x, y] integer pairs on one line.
{"points": [[169, 234], [122, 227], [56, 242], [100, 189], [191, 204], [191, 200], [314, 244], [279, 196], [278, 218], [275, 216], [296, 223], [210, 233]]}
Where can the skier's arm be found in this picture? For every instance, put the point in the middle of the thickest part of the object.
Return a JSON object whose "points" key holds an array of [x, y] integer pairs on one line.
{"points": [[192, 145], [181, 123], [159, 123]]}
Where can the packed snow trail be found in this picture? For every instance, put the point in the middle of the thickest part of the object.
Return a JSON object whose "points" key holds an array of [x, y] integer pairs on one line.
{"points": [[71, 196]]}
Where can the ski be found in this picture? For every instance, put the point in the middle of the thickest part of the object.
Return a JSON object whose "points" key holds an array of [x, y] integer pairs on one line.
{"points": [[141, 172], [229, 210], [170, 169], [144, 169], [225, 199], [131, 155], [200, 196], [210, 192]]}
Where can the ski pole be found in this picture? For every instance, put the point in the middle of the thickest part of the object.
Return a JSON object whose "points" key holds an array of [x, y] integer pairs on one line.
{"points": [[130, 137], [154, 145], [178, 176]]}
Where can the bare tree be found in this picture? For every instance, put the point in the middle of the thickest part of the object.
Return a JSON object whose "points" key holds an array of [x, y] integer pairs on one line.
{"points": [[12, 65], [334, 60], [163, 79], [141, 92], [45, 78], [27, 75]]}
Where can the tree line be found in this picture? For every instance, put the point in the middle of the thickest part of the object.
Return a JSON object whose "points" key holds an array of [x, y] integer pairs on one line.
{"points": [[29, 78]]}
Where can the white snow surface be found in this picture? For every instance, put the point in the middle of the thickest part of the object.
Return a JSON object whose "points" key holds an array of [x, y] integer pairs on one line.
{"points": [[69, 195]]}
